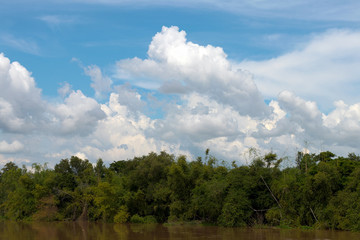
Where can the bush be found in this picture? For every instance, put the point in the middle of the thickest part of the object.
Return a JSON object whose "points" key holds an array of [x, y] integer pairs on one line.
{"points": [[150, 219], [147, 219], [235, 211], [273, 216], [122, 216], [137, 219]]}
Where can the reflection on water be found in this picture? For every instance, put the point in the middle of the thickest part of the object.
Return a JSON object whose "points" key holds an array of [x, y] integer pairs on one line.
{"points": [[102, 231]]}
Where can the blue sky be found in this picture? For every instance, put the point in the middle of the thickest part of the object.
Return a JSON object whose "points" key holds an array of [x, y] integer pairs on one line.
{"points": [[118, 79]]}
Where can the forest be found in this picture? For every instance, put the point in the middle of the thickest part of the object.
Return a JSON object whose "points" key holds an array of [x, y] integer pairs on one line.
{"points": [[319, 191]]}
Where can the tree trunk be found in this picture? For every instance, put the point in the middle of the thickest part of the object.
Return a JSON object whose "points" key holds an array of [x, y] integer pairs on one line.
{"points": [[84, 215]]}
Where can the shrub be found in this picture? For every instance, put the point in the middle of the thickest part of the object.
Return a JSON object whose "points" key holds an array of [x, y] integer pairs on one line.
{"points": [[150, 219], [122, 216], [137, 219], [147, 219]]}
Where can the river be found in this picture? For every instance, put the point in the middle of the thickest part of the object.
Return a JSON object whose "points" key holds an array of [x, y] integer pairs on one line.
{"points": [[102, 231]]}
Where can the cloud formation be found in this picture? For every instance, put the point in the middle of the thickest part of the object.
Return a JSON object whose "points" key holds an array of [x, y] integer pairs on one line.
{"points": [[78, 114], [13, 147], [100, 83], [324, 69], [207, 101], [21, 105], [23, 109], [189, 67]]}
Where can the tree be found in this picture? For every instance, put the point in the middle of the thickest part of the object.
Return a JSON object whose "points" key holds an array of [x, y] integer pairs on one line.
{"points": [[100, 169], [236, 210]]}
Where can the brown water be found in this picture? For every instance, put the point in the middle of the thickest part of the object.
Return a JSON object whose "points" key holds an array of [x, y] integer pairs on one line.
{"points": [[89, 231]]}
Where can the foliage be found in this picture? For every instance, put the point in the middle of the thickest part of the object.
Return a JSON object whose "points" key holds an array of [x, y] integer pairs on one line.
{"points": [[321, 190], [122, 216]]}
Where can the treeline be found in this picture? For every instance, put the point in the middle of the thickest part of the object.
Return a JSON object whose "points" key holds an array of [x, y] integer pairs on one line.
{"points": [[322, 190]]}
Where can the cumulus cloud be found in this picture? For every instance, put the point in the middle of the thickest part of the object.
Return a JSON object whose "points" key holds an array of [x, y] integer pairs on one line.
{"points": [[122, 134], [129, 97], [23, 110], [199, 118], [344, 124], [19, 161], [194, 68], [65, 89], [77, 115], [324, 69], [304, 122], [305, 113], [13, 147], [100, 83], [21, 105], [207, 102]]}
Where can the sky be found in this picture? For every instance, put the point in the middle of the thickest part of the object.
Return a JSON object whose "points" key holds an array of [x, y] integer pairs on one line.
{"points": [[115, 79]]}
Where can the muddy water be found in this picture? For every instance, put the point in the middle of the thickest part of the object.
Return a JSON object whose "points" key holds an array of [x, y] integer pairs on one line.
{"points": [[98, 231]]}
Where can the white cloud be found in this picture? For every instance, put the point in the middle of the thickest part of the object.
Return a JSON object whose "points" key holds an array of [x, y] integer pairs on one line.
{"points": [[24, 45], [202, 69], [17, 160], [325, 69], [122, 134], [130, 98], [55, 20], [199, 123], [216, 106], [306, 113], [13, 147], [343, 122], [8, 120], [305, 123], [65, 89], [100, 83], [77, 115], [199, 119], [80, 155], [22, 109], [21, 105]]}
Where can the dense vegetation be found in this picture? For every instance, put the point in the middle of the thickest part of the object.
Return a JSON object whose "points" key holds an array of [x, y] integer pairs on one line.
{"points": [[321, 190]]}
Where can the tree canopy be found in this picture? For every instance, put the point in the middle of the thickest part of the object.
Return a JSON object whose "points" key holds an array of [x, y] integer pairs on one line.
{"points": [[320, 190]]}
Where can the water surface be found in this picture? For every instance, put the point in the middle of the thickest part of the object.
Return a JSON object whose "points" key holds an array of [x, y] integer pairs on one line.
{"points": [[102, 231]]}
